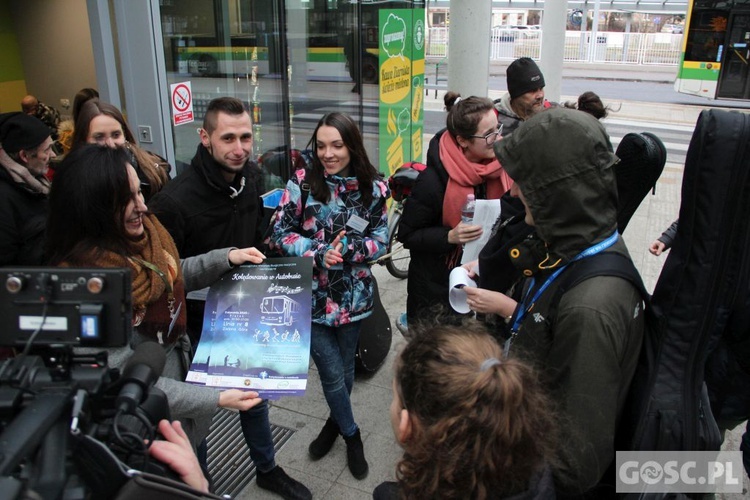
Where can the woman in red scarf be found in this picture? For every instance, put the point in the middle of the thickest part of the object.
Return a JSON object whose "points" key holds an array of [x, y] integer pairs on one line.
{"points": [[460, 161], [98, 219]]}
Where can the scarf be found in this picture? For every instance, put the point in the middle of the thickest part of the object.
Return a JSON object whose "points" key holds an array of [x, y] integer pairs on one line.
{"points": [[158, 287], [464, 175], [23, 177]]}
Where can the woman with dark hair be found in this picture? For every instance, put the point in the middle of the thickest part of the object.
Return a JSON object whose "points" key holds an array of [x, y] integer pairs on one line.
{"points": [[460, 162], [98, 219], [591, 103], [472, 423], [102, 123], [342, 225], [65, 130]]}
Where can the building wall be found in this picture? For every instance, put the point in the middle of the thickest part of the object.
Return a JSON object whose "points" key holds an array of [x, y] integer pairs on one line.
{"points": [[54, 42], [12, 82]]}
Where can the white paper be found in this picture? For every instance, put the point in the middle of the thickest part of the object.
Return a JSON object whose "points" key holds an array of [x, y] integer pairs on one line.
{"points": [[486, 213], [458, 279]]}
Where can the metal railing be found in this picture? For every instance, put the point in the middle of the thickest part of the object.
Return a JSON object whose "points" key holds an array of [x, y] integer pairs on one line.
{"points": [[609, 47]]}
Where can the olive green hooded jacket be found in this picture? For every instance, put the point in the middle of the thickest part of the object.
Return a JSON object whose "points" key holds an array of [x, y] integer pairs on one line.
{"points": [[561, 160]]}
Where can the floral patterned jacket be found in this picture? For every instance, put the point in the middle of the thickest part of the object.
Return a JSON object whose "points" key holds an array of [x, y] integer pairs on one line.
{"points": [[343, 293]]}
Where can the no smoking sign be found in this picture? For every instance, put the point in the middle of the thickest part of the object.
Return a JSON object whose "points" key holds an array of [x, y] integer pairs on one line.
{"points": [[182, 103]]}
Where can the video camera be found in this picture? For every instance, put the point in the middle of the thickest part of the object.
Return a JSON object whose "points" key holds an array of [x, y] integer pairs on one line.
{"points": [[70, 426]]}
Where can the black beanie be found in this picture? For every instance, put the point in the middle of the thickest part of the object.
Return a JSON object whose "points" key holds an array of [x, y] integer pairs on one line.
{"points": [[21, 131], [523, 75]]}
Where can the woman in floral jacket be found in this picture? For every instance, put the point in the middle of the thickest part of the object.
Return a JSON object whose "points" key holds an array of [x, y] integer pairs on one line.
{"points": [[343, 226]]}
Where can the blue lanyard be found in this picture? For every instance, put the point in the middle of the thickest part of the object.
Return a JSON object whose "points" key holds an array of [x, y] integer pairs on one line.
{"points": [[523, 310]]}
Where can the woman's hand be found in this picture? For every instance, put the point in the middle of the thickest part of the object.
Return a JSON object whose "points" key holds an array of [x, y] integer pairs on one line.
{"points": [[239, 256], [333, 253], [238, 400], [177, 453], [487, 301], [471, 268], [464, 233], [656, 248]]}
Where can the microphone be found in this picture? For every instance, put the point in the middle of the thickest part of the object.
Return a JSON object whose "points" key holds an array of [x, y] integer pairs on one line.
{"points": [[143, 369]]}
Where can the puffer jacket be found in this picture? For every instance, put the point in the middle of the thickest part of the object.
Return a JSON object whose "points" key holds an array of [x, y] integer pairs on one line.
{"points": [[587, 351], [343, 293]]}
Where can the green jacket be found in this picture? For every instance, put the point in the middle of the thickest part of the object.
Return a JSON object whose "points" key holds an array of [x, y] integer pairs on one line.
{"points": [[561, 159]]}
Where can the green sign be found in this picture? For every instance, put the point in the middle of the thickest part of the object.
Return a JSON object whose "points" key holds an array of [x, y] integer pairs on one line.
{"points": [[402, 39]]}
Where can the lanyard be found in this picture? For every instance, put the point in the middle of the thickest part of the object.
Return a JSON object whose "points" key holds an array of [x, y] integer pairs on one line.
{"points": [[523, 309]]}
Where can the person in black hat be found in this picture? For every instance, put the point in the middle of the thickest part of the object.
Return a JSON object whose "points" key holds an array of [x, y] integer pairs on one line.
{"points": [[525, 96], [25, 154]]}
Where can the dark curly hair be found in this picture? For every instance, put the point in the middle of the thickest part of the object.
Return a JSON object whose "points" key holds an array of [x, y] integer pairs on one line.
{"points": [[481, 425]]}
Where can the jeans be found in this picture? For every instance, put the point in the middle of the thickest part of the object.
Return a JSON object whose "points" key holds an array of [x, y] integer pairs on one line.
{"points": [[257, 431], [333, 350]]}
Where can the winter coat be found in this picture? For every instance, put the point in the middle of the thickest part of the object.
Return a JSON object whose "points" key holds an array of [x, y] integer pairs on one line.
{"points": [[344, 293], [202, 211], [587, 351], [667, 237], [23, 218], [192, 405], [421, 230]]}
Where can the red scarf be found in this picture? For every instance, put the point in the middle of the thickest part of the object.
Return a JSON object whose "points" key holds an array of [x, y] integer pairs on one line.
{"points": [[464, 175]]}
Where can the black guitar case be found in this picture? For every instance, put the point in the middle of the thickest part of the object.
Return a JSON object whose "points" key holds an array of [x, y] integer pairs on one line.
{"points": [[374, 336], [642, 158], [702, 293]]}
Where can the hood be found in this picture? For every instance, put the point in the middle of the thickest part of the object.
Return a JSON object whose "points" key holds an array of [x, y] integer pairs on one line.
{"points": [[561, 160]]}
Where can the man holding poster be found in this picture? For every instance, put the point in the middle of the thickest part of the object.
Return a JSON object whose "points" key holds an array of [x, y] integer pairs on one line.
{"points": [[216, 203]]}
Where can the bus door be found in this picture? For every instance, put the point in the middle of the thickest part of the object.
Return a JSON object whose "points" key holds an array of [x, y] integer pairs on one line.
{"points": [[733, 79]]}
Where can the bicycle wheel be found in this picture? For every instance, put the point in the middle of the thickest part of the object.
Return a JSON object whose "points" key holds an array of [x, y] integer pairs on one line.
{"points": [[398, 263]]}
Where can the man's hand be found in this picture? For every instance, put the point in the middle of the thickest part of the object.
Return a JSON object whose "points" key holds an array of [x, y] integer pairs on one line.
{"points": [[177, 453], [487, 301], [464, 233], [471, 268], [656, 248], [239, 256], [238, 400]]}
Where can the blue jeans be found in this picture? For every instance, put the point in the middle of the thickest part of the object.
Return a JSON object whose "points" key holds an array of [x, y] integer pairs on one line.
{"points": [[257, 431], [333, 350]]}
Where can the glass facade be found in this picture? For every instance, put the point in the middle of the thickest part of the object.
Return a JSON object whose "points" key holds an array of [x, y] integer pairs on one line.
{"points": [[290, 61]]}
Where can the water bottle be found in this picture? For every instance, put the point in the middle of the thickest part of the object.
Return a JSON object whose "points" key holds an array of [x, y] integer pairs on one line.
{"points": [[467, 212]]}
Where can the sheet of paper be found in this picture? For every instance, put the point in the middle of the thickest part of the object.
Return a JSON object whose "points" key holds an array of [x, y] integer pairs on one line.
{"points": [[458, 279], [256, 329], [486, 213]]}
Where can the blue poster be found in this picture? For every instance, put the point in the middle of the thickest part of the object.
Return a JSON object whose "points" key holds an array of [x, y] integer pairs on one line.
{"points": [[256, 329]]}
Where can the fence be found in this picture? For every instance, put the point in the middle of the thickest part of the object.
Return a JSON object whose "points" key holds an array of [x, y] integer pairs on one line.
{"points": [[610, 47]]}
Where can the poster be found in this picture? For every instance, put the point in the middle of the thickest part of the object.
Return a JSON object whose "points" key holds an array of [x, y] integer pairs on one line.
{"points": [[256, 329], [401, 113]]}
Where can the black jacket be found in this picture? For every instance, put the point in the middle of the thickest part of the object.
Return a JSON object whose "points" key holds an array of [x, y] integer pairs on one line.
{"points": [[421, 230], [201, 212], [23, 218]]}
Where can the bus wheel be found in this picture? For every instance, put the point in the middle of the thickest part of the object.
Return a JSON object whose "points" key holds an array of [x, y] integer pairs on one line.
{"points": [[369, 69]]}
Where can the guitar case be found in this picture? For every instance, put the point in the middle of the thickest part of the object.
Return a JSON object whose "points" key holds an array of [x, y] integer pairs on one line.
{"points": [[642, 158], [374, 336], [702, 293]]}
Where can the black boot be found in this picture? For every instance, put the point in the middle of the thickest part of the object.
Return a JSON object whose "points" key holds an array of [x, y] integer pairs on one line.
{"points": [[323, 443], [355, 456]]}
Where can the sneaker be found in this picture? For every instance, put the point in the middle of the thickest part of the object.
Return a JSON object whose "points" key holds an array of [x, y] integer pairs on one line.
{"points": [[277, 481], [355, 456], [323, 443], [402, 326]]}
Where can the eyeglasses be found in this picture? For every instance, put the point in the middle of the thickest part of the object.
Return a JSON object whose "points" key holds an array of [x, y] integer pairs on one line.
{"points": [[490, 138]]}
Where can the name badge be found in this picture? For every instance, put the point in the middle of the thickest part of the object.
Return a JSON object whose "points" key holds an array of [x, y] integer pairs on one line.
{"points": [[357, 223]]}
